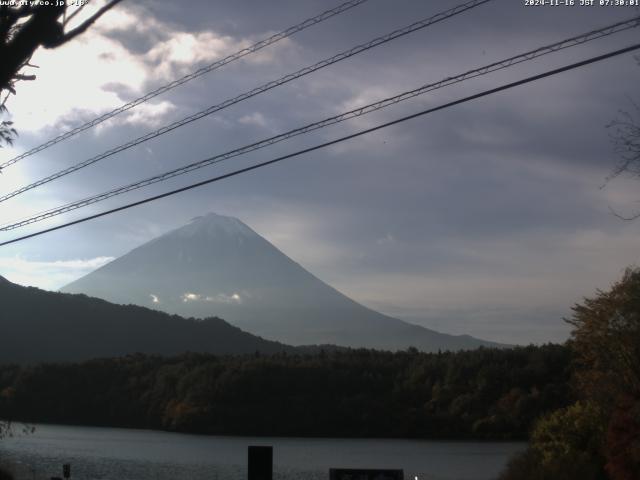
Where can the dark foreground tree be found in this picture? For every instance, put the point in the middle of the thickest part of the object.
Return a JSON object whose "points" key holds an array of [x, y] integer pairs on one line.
{"points": [[606, 341], [24, 29], [598, 436], [7, 132]]}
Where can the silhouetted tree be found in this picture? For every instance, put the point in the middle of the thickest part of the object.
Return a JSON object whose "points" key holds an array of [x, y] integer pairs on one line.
{"points": [[598, 436], [7, 132], [23, 29], [606, 341]]}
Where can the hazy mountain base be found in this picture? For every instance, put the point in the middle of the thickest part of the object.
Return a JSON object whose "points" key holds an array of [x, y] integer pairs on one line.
{"points": [[481, 394], [218, 266], [41, 326]]}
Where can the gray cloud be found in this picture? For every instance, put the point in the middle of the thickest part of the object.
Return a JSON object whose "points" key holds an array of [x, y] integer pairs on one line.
{"points": [[498, 199]]}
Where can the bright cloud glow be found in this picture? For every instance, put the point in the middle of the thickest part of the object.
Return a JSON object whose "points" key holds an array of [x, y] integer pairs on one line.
{"points": [[61, 99], [49, 275], [190, 297], [219, 298], [182, 50], [50, 101], [148, 114]]}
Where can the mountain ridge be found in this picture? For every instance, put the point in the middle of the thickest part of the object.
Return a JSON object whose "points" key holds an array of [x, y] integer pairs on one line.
{"points": [[217, 265], [42, 326]]}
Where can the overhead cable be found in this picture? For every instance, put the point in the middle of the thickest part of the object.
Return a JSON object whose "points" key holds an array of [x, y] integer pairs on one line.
{"points": [[252, 93], [357, 112], [201, 71], [333, 142]]}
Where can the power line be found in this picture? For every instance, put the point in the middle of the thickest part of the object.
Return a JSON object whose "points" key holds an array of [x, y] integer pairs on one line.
{"points": [[256, 91], [201, 71], [493, 67], [336, 141]]}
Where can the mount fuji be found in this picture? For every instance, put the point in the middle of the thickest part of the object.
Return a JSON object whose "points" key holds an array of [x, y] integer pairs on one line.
{"points": [[218, 266]]}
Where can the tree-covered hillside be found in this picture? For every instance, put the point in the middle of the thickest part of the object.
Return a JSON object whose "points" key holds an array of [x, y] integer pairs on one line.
{"points": [[486, 393], [41, 326]]}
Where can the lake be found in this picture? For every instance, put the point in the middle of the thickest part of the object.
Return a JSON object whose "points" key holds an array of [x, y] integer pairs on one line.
{"points": [[125, 454]]}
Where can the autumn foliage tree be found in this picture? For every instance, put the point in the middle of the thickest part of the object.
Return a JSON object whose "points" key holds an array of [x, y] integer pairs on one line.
{"points": [[598, 437], [606, 341]]}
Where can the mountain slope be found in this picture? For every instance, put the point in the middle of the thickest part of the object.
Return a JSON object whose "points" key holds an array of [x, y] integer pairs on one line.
{"points": [[217, 265], [41, 326]]}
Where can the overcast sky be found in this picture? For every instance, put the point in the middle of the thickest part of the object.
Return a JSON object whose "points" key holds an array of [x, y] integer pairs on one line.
{"points": [[487, 218]]}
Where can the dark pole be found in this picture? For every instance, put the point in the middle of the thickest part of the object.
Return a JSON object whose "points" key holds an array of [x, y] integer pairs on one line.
{"points": [[260, 466]]}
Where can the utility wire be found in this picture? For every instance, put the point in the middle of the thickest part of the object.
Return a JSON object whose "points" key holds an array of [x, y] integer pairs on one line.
{"points": [[256, 91], [201, 71], [500, 65], [336, 141]]}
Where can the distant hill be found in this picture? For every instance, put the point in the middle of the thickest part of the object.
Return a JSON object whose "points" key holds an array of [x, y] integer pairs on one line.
{"points": [[217, 265], [41, 326]]}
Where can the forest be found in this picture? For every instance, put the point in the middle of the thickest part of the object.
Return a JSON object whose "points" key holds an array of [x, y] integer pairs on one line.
{"points": [[481, 394], [578, 403]]}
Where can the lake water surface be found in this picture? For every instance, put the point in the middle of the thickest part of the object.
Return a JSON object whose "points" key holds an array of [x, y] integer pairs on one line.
{"points": [[124, 454]]}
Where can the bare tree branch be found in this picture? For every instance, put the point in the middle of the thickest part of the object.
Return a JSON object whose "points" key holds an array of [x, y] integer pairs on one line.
{"points": [[25, 28], [75, 12], [83, 26], [20, 76]]}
